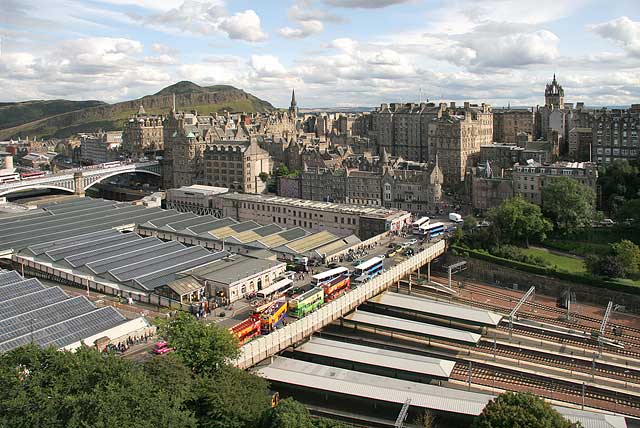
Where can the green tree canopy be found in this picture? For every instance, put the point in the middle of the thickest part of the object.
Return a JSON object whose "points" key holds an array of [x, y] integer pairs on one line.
{"points": [[629, 211], [628, 254], [231, 398], [569, 204], [203, 348], [519, 222], [47, 388], [520, 410], [619, 182], [287, 414]]}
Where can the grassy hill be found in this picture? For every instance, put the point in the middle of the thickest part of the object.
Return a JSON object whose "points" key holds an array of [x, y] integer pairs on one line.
{"points": [[14, 114], [189, 96]]}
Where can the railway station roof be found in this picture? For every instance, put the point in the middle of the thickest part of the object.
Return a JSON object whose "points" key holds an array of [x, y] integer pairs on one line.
{"points": [[29, 311], [413, 327], [428, 366], [381, 388], [375, 387], [440, 309]]}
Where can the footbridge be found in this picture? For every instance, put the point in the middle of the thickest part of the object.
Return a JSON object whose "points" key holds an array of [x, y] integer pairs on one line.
{"points": [[77, 180], [266, 346]]}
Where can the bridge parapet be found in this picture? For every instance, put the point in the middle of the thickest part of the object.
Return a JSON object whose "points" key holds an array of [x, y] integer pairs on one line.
{"points": [[266, 346]]}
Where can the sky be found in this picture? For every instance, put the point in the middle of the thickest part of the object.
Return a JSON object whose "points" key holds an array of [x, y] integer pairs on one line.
{"points": [[335, 53]]}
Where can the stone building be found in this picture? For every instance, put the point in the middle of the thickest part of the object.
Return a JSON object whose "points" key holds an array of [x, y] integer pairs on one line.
{"points": [[508, 123], [142, 133], [237, 165], [100, 147], [456, 138], [412, 186], [529, 179], [487, 189], [615, 135], [580, 141]]}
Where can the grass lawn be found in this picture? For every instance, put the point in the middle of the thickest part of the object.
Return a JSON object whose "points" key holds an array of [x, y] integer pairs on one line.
{"points": [[565, 263]]}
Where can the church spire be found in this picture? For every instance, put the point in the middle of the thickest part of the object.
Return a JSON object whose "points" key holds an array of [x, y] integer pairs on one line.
{"points": [[293, 109]]}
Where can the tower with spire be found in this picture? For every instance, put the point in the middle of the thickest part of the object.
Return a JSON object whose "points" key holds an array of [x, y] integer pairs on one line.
{"points": [[554, 95], [293, 108]]}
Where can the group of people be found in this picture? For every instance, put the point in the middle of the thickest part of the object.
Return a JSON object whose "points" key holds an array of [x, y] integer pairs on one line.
{"points": [[123, 346]]}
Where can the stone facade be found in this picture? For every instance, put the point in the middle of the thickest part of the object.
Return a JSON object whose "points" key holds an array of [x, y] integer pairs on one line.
{"points": [[529, 179], [508, 123], [100, 147], [580, 141], [456, 138], [237, 165], [142, 133], [615, 135]]}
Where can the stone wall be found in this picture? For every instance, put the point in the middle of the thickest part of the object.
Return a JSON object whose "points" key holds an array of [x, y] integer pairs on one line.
{"points": [[485, 271]]}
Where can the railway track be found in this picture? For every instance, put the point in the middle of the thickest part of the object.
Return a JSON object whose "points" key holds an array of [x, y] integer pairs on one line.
{"points": [[564, 362], [602, 398], [419, 289]]}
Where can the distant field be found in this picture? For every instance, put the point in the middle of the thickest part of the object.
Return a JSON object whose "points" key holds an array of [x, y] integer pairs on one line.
{"points": [[569, 264]]}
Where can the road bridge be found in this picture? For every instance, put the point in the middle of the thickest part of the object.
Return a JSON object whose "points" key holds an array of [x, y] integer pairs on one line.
{"points": [[266, 346], [77, 180]]}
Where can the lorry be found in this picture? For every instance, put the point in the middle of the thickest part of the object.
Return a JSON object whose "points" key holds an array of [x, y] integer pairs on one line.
{"points": [[456, 218]]}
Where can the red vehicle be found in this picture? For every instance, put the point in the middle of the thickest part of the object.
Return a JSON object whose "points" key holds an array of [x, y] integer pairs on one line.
{"points": [[336, 287], [247, 329], [162, 347], [28, 175]]}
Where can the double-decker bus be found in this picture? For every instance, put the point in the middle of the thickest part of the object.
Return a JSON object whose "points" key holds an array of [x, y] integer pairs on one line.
{"points": [[276, 289], [415, 226], [328, 276], [247, 329], [432, 230], [273, 316], [367, 270], [306, 303], [336, 287]]}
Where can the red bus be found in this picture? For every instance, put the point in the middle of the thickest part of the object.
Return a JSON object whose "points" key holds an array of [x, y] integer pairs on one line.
{"points": [[336, 287], [28, 175], [247, 329]]}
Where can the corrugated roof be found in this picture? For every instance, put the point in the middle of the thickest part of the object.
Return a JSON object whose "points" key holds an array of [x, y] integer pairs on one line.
{"points": [[312, 241], [413, 327], [381, 388], [334, 349], [441, 309], [185, 285]]}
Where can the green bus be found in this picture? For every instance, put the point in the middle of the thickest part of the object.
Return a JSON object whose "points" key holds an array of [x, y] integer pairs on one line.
{"points": [[306, 303]]}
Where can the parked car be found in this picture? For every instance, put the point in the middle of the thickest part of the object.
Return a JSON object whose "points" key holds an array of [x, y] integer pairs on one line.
{"points": [[162, 347], [412, 241], [607, 222], [333, 265]]}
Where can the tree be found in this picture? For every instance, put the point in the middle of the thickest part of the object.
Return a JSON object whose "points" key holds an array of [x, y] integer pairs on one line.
{"points": [[520, 410], [608, 266], [518, 222], [629, 211], [203, 348], [287, 414], [231, 398], [46, 388], [263, 176], [619, 182], [424, 420], [569, 204], [628, 254]]}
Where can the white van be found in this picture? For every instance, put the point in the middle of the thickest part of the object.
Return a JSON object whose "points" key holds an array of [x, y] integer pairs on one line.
{"points": [[456, 218]]}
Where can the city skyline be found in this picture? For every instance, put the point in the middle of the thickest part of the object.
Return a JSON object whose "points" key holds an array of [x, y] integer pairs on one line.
{"points": [[335, 53]]}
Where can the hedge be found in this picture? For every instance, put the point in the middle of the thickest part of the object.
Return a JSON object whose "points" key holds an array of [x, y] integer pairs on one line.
{"points": [[539, 270]]}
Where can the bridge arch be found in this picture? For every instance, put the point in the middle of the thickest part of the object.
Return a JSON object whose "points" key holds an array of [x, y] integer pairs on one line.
{"points": [[7, 192], [114, 173]]}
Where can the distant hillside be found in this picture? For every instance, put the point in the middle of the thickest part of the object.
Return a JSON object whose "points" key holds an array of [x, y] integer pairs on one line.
{"points": [[189, 96], [14, 114]]}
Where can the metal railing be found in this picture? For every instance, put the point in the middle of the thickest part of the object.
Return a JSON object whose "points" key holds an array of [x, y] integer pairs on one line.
{"points": [[266, 346]]}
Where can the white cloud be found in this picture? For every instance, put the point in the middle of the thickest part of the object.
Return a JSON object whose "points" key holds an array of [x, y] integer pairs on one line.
{"points": [[267, 66], [623, 31], [243, 26], [365, 4], [207, 17], [308, 20]]}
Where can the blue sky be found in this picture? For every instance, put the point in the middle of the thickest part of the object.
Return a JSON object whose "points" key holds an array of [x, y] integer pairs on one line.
{"points": [[334, 52]]}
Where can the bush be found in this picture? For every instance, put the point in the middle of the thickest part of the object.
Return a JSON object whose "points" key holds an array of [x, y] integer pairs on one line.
{"points": [[514, 253]]}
